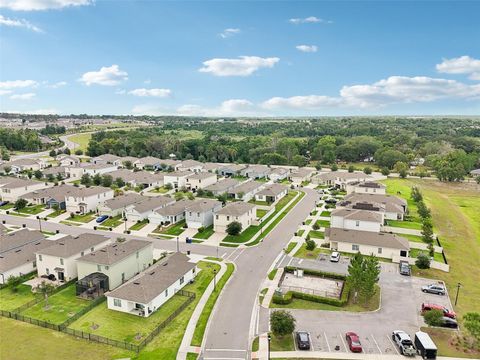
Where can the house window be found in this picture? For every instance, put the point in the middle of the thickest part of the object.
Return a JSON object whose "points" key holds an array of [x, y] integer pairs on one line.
{"points": [[228, 218], [99, 267], [137, 254], [61, 261], [357, 223], [355, 247], [117, 302], [166, 292], [34, 264], [182, 280], [47, 271], [216, 217], [39, 257], [106, 267], [380, 250], [82, 253]]}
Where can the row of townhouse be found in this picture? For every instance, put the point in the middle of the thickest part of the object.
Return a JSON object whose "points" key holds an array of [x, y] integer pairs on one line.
{"points": [[343, 179], [357, 224], [20, 165], [12, 188]]}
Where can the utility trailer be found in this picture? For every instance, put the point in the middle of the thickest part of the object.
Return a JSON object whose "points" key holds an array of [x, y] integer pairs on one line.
{"points": [[425, 346]]}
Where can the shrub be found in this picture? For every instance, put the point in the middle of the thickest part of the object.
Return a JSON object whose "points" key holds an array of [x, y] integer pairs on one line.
{"points": [[351, 169], [201, 229], [423, 261], [234, 228], [282, 322], [311, 245], [315, 226], [385, 171], [433, 317], [367, 170], [334, 167]]}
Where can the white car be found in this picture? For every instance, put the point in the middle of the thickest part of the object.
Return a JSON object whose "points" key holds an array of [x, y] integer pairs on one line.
{"points": [[335, 257]]}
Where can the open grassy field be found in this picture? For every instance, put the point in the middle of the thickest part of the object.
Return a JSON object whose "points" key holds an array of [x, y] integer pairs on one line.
{"points": [[29, 342], [455, 211], [82, 140], [10, 300]]}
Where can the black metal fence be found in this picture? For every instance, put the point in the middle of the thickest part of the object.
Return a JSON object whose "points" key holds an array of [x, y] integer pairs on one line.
{"points": [[443, 252]]}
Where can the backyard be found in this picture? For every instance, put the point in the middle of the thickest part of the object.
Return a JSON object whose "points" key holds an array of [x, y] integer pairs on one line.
{"points": [[10, 300]]}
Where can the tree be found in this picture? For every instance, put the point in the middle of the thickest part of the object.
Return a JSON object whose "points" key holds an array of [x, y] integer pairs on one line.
{"points": [[315, 226], [107, 180], [86, 180], [326, 149], [370, 277], [310, 245], [67, 151], [128, 164], [79, 152], [299, 160], [423, 211], [427, 231], [179, 195], [5, 154], [119, 182], [45, 289], [222, 198], [97, 179], [351, 169], [416, 194], [423, 261], [52, 153], [367, 170], [234, 228], [168, 186], [385, 171], [190, 196], [13, 282], [477, 179], [389, 157], [20, 204], [38, 174], [471, 321], [318, 165], [355, 273], [403, 173], [433, 317], [7, 169], [334, 167], [282, 322], [50, 178]]}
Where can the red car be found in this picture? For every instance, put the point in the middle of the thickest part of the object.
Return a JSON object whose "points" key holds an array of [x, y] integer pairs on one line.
{"points": [[447, 313], [353, 342]]}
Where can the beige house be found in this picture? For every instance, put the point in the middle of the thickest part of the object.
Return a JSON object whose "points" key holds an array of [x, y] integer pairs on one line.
{"points": [[354, 219], [246, 190], [189, 165], [242, 212], [177, 179], [117, 205], [119, 261], [200, 180], [141, 210], [395, 208], [11, 189], [300, 175], [385, 245], [222, 186], [272, 193], [367, 187], [84, 200], [170, 214], [201, 212], [340, 178]]}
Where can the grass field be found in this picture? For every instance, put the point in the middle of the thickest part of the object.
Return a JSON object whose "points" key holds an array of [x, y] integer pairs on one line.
{"points": [[29, 342], [442, 338], [139, 225], [205, 234], [82, 140], [405, 224], [10, 300], [62, 306], [85, 218], [456, 219], [175, 229]]}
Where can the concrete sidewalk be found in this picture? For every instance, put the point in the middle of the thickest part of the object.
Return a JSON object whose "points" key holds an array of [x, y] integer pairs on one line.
{"points": [[272, 286], [192, 323]]}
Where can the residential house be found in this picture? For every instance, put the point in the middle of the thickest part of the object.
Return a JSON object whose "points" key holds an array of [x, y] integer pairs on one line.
{"points": [[144, 179], [84, 200], [200, 213], [385, 245], [105, 159], [256, 171], [190, 165], [230, 169], [278, 174], [148, 162], [300, 175], [272, 193], [17, 252], [475, 172], [168, 164], [51, 196], [170, 214], [20, 165], [142, 210], [119, 261], [122, 162], [367, 187], [68, 160], [178, 179], [90, 169], [246, 190], [59, 259], [395, 208], [242, 212], [200, 180], [222, 186], [118, 204], [340, 179], [11, 189], [355, 219], [147, 292], [211, 167], [55, 171]]}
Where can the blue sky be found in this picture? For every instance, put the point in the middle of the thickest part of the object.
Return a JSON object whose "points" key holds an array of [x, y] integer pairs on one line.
{"points": [[240, 58]]}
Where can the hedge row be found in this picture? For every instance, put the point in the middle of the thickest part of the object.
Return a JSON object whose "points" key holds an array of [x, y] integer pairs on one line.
{"points": [[323, 274]]}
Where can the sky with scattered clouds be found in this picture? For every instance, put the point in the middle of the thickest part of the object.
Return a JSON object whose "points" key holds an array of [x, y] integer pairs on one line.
{"points": [[235, 58]]}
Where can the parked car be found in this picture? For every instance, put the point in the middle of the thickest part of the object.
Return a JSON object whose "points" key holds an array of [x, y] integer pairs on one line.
{"points": [[434, 289], [404, 343], [449, 323], [404, 268], [331, 201], [353, 342], [102, 218], [335, 257], [303, 340], [2, 203], [425, 346], [427, 307]]}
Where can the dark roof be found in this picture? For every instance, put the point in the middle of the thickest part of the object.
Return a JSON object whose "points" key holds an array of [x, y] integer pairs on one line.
{"points": [[155, 280], [113, 253]]}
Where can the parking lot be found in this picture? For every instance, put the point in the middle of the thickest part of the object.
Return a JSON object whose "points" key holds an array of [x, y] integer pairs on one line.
{"points": [[401, 301]]}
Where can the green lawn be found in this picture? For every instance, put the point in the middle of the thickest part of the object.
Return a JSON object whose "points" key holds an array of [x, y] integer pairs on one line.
{"points": [[258, 202], [160, 190], [443, 338], [69, 223], [261, 213], [62, 305], [308, 221], [316, 234], [271, 274], [85, 218], [7, 206], [244, 236], [325, 213], [175, 229], [113, 221], [405, 224], [284, 343], [455, 211], [323, 223], [10, 300], [307, 254], [413, 238], [290, 247], [437, 256], [32, 210], [139, 225], [205, 234], [55, 213], [82, 140], [30, 342], [207, 310], [300, 232]]}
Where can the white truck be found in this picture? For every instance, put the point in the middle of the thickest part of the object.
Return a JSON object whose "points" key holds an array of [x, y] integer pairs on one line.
{"points": [[404, 343]]}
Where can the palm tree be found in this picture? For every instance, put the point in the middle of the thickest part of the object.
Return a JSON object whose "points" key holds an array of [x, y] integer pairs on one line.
{"points": [[45, 289]]}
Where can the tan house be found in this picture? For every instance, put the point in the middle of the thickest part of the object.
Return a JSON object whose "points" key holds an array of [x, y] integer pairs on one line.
{"points": [[366, 187], [242, 212], [11, 189], [200, 180], [84, 200]]}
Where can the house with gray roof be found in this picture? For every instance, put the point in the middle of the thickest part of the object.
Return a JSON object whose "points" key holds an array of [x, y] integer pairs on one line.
{"points": [[148, 162], [395, 208], [246, 190], [59, 259], [119, 261], [255, 171], [11, 189], [51, 196], [200, 180], [278, 174], [230, 169], [142, 210], [201, 212], [148, 291], [357, 219], [84, 200], [222, 186], [272, 193], [170, 214], [117, 205], [242, 212]]}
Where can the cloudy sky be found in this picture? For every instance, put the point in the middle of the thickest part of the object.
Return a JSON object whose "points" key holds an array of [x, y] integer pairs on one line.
{"points": [[240, 58]]}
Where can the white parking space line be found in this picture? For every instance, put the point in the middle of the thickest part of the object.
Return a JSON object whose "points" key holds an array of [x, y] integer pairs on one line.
{"points": [[393, 344], [311, 341], [326, 339], [376, 344], [343, 342], [223, 256], [290, 261]]}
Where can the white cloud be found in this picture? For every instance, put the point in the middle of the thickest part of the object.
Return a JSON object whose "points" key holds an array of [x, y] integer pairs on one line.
{"points": [[33, 5], [461, 65], [229, 32], [301, 102], [307, 48], [232, 107], [26, 96], [57, 85], [243, 66], [35, 112], [151, 92], [5, 92], [107, 76], [310, 19], [20, 23], [17, 84]]}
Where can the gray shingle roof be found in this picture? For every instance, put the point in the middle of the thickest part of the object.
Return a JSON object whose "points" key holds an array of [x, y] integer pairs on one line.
{"points": [[236, 209], [71, 245], [202, 205], [113, 253], [273, 190], [152, 203], [223, 185], [246, 187], [175, 208], [17, 239], [155, 280], [122, 201], [355, 214], [386, 240], [22, 255]]}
